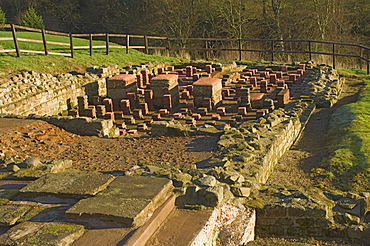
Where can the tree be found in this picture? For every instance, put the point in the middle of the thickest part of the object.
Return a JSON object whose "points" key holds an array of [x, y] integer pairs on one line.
{"points": [[31, 19], [2, 17]]}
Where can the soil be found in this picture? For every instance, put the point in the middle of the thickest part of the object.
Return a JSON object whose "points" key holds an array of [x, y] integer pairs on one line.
{"points": [[295, 166], [21, 138]]}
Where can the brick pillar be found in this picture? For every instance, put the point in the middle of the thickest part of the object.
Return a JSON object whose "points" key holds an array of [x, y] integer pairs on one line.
{"points": [[132, 97], [279, 75], [189, 71], [196, 77], [148, 97], [284, 68], [167, 101], [145, 73], [125, 106], [207, 103], [144, 107], [190, 89], [100, 111], [273, 78], [225, 93], [82, 104], [108, 103], [253, 81], [264, 87], [139, 80], [160, 70]]}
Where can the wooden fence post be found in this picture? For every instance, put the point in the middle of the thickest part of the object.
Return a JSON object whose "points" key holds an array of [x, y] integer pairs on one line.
{"points": [[310, 50], [206, 50], [44, 42], [71, 44], [146, 43], [240, 49], [272, 50], [127, 43], [90, 42], [368, 61], [333, 49], [15, 41], [107, 44]]}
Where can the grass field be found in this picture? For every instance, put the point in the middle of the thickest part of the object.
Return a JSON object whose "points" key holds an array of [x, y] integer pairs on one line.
{"points": [[347, 165], [54, 64]]}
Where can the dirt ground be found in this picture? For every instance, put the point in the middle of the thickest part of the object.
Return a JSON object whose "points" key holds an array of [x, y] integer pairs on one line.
{"points": [[21, 138], [294, 167]]}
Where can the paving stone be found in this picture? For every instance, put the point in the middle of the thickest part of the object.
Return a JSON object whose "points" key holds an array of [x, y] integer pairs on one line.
{"points": [[73, 185], [128, 201], [110, 212], [36, 233], [10, 214]]}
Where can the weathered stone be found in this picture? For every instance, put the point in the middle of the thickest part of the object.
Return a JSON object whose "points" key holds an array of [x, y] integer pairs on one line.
{"points": [[57, 166], [108, 212], [36, 233], [180, 179], [211, 196], [355, 232], [240, 191], [232, 177], [74, 185], [31, 162], [10, 214], [207, 181]]}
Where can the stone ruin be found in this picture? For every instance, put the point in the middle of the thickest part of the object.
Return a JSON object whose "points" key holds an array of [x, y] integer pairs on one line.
{"points": [[258, 111]]}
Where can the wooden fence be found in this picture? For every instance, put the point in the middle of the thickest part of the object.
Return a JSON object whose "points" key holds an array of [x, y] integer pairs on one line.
{"points": [[271, 49]]}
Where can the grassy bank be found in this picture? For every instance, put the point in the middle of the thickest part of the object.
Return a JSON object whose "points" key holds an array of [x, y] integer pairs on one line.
{"points": [[53, 64], [347, 166]]}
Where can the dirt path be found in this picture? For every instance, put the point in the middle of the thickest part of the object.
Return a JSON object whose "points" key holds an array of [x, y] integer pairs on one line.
{"points": [[294, 167], [21, 138]]}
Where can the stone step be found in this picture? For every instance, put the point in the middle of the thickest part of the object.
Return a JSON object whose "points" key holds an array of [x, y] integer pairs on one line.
{"points": [[128, 236], [126, 202], [185, 227]]}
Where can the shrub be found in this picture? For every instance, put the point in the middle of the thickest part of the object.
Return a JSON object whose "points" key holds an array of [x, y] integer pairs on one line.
{"points": [[31, 19]]}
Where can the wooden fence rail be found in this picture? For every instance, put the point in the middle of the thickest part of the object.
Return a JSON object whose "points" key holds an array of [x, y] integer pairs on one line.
{"points": [[266, 46]]}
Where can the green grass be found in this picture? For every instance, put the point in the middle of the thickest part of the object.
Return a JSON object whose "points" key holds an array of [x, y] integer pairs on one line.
{"points": [[347, 165], [53, 64]]}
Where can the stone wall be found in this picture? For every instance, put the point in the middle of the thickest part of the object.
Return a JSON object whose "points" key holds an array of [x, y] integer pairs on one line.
{"points": [[82, 125], [291, 213], [32, 93]]}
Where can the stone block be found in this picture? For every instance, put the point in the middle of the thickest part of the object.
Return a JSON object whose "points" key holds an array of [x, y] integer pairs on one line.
{"points": [[275, 212], [73, 185], [10, 214], [121, 81], [211, 196], [39, 233], [314, 232], [277, 230]]}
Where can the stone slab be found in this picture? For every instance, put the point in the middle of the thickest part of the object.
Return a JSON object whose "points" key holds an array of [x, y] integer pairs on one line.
{"points": [[110, 212], [72, 185], [180, 228], [137, 187], [10, 214], [128, 201], [36, 233]]}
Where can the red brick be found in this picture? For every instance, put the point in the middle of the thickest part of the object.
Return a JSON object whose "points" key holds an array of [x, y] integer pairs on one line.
{"points": [[109, 116], [108, 103], [242, 111]]}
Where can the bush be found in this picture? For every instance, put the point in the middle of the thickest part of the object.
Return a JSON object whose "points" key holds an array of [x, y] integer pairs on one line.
{"points": [[31, 19]]}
